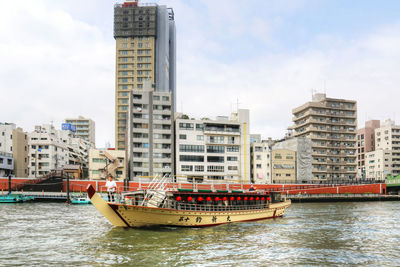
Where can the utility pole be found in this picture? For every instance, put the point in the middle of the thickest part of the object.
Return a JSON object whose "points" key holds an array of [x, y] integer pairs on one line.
{"points": [[36, 163], [68, 199]]}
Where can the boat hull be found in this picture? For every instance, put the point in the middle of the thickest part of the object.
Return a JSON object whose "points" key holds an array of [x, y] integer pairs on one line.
{"points": [[123, 215], [138, 216]]}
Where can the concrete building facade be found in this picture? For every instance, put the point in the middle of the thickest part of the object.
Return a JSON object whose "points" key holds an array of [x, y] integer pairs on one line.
{"points": [[47, 151], [283, 162], [303, 147], [331, 125], [217, 149], [151, 133], [51, 149], [260, 152], [387, 138], [6, 164], [365, 143], [14, 141], [145, 49], [378, 164], [104, 162], [85, 128]]}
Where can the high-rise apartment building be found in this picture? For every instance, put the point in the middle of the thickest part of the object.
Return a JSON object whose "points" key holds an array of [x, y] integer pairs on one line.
{"points": [[145, 50], [151, 133], [84, 128], [365, 143], [331, 125]]}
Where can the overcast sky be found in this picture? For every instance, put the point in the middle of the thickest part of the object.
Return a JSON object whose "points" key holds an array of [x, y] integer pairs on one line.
{"points": [[57, 59]]}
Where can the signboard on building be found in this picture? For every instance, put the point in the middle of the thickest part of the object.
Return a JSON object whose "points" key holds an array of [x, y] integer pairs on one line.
{"points": [[68, 127]]}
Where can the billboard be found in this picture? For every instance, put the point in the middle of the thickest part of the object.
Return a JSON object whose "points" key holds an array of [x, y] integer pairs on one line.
{"points": [[68, 127]]}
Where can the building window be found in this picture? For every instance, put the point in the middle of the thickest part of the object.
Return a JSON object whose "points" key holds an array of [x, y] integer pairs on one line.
{"points": [[185, 126], [200, 137], [232, 149], [213, 168], [165, 98], [232, 168], [258, 166], [215, 149], [191, 148], [199, 168], [182, 136], [231, 158], [191, 158], [215, 159], [187, 168], [215, 139]]}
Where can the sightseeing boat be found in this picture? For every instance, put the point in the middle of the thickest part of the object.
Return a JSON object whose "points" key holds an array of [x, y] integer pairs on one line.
{"points": [[189, 208]]}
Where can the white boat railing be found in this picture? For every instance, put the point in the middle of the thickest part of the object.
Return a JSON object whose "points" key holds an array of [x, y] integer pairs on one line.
{"points": [[210, 207], [154, 187]]}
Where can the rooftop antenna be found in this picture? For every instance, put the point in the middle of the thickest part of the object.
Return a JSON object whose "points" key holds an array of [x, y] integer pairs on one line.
{"points": [[312, 92], [237, 103]]}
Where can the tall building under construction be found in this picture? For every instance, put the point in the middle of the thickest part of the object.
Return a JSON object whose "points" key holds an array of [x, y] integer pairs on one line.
{"points": [[145, 63]]}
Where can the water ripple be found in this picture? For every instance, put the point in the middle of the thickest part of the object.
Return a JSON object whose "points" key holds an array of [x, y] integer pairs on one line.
{"points": [[329, 234]]}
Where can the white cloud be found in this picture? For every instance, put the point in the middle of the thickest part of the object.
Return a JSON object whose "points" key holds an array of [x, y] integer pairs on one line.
{"points": [[54, 67], [57, 61]]}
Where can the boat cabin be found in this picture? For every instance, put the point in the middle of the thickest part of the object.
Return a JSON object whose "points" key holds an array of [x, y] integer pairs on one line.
{"points": [[187, 199]]}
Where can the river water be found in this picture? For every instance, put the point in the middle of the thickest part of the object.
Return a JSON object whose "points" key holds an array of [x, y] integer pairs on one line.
{"points": [[329, 234]]}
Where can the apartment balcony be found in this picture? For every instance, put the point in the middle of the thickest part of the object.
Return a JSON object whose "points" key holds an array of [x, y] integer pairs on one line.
{"points": [[307, 113], [140, 149], [140, 140], [220, 132], [162, 160], [162, 112], [162, 121], [140, 120], [140, 169], [163, 141], [318, 137], [315, 170], [140, 130], [140, 159], [332, 162], [162, 131]]}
